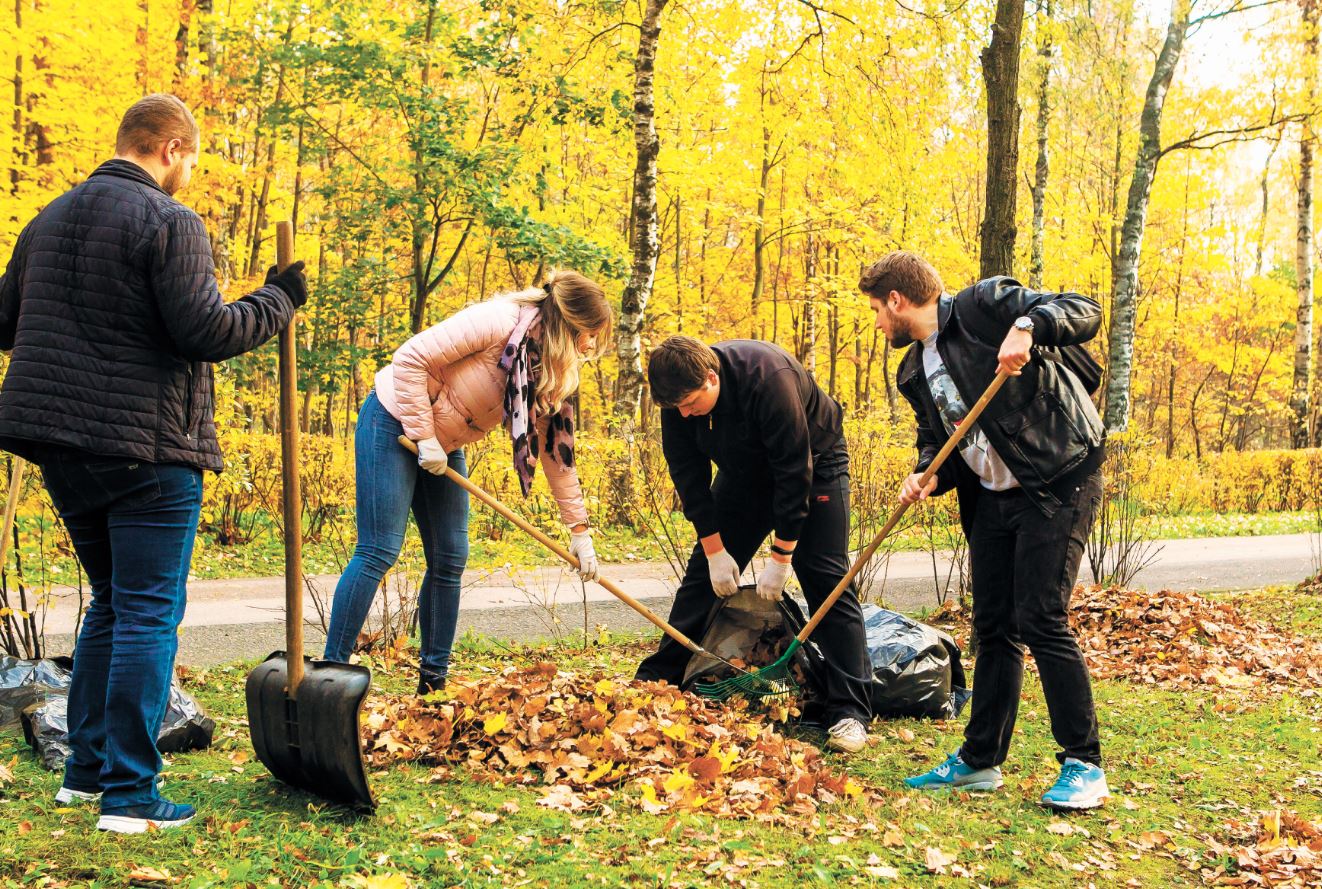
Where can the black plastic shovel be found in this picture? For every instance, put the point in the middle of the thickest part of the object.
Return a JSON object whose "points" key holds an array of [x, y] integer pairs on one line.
{"points": [[303, 713]]}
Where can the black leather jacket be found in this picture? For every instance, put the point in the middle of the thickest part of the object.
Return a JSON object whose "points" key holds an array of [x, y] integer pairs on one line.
{"points": [[1042, 423]]}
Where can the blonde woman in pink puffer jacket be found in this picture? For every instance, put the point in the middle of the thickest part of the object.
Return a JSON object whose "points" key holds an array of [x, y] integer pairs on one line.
{"points": [[512, 361]]}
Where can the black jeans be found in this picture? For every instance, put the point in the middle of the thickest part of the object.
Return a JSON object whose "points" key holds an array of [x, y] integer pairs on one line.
{"points": [[1024, 567], [820, 560]]}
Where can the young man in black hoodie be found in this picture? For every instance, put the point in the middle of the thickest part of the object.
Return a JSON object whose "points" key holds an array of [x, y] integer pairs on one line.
{"points": [[778, 444], [1029, 483], [110, 306]]}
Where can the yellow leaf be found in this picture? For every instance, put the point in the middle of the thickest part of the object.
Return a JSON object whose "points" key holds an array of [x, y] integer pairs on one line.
{"points": [[727, 758], [598, 770], [493, 724], [852, 788], [651, 804], [381, 881], [676, 732], [604, 687], [678, 782]]}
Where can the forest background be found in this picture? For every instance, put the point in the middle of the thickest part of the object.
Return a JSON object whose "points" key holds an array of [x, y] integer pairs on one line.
{"points": [[726, 169]]}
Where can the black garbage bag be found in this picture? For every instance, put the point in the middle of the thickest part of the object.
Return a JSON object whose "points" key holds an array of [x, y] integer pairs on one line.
{"points": [[916, 669], [748, 629], [42, 689], [27, 682]]}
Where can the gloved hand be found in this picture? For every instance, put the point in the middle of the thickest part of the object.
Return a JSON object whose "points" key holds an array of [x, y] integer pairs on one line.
{"points": [[292, 281], [580, 547], [431, 456], [724, 571], [771, 582]]}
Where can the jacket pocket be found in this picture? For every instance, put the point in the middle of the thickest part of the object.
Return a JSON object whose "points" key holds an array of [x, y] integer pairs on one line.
{"points": [[1043, 437]]}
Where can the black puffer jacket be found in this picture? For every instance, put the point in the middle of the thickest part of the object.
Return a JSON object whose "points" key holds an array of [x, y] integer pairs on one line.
{"points": [[111, 308], [1042, 423]]}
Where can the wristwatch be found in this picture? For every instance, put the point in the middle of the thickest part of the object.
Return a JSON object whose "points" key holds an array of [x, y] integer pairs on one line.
{"points": [[1024, 323]]}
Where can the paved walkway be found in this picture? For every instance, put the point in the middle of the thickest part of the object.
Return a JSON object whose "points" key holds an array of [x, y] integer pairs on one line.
{"points": [[231, 619]]}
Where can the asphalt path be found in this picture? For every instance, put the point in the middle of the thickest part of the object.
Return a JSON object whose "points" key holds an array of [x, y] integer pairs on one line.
{"points": [[230, 620]]}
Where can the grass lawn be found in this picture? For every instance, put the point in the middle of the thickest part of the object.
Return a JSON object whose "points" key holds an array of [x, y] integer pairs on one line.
{"points": [[1188, 771]]}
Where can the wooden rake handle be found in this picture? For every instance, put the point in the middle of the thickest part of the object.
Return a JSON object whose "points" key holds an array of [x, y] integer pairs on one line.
{"points": [[11, 508], [946, 450], [564, 554]]}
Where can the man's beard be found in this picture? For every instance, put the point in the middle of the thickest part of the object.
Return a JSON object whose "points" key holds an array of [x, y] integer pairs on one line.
{"points": [[174, 180], [901, 334]]}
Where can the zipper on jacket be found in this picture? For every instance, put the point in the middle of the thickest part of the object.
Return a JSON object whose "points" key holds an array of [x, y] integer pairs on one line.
{"points": [[188, 405]]}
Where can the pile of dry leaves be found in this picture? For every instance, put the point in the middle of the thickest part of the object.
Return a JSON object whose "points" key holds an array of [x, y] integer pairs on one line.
{"points": [[1287, 851], [1181, 640], [585, 736]]}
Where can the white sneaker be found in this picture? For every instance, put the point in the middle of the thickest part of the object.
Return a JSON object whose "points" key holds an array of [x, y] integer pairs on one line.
{"points": [[68, 795], [848, 735]]}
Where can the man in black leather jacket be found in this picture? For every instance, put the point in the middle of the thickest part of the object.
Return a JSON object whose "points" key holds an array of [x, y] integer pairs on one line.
{"points": [[1029, 484], [110, 307]]}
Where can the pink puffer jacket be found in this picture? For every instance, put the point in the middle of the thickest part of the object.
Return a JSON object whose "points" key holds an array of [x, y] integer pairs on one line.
{"points": [[446, 383]]}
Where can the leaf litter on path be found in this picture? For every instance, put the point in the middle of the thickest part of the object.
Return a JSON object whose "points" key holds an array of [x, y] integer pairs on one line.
{"points": [[586, 735]]}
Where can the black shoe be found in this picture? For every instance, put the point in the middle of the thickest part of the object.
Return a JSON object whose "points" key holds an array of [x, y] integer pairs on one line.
{"points": [[429, 682]]}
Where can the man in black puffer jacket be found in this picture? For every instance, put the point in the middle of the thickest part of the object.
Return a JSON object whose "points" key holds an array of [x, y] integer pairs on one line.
{"points": [[1029, 482], [110, 307]]}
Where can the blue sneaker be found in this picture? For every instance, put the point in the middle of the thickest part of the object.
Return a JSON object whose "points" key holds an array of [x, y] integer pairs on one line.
{"points": [[1081, 785], [953, 774], [159, 815]]}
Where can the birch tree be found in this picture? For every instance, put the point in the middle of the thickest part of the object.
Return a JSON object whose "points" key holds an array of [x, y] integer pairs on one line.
{"points": [[645, 244]]}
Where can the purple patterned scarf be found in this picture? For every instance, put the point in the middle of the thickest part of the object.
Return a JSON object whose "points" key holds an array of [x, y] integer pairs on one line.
{"points": [[522, 360]]}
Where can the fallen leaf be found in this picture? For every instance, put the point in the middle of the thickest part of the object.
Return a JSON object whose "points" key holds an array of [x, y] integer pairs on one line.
{"points": [[937, 860]]}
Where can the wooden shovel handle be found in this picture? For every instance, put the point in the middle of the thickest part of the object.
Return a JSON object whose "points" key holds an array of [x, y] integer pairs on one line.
{"points": [[291, 498], [563, 553], [946, 450]]}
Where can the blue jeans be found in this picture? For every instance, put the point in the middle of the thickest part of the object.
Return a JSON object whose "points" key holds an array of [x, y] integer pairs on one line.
{"points": [[133, 525], [389, 483]]}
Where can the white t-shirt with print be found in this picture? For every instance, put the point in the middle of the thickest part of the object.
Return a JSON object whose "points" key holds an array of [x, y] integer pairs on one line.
{"points": [[973, 447]]}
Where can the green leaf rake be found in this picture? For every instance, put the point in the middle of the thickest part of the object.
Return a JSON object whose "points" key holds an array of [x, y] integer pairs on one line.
{"points": [[777, 680]]}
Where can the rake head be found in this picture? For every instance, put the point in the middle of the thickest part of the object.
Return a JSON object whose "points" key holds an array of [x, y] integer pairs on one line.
{"points": [[772, 681]]}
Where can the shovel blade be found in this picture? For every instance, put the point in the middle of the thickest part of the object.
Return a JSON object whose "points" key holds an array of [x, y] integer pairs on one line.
{"points": [[312, 743]]}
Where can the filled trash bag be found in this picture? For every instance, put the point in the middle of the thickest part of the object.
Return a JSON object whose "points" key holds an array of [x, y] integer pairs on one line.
{"points": [[751, 632], [916, 669], [39, 690], [27, 682]]}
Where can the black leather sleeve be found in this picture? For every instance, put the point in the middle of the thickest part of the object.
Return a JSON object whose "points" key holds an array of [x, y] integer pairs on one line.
{"points": [[1059, 319]]}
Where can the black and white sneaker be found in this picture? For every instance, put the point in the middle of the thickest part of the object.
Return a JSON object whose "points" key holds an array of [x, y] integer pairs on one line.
{"points": [[159, 815], [67, 795]]}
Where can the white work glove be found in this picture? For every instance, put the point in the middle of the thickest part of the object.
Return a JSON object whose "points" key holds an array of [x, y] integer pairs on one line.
{"points": [[431, 456], [724, 571], [580, 547], [771, 582]]}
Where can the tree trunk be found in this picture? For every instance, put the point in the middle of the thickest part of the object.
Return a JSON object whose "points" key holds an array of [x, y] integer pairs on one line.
{"points": [[1124, 306], [420, 290], [1000, 73], [1040, 171], [1302, 385], [19, 158], [646, 244], [181, 43]]}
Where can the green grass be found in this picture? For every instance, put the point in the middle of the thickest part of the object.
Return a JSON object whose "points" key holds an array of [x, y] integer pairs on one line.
{"points": [[1183, 764]]}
